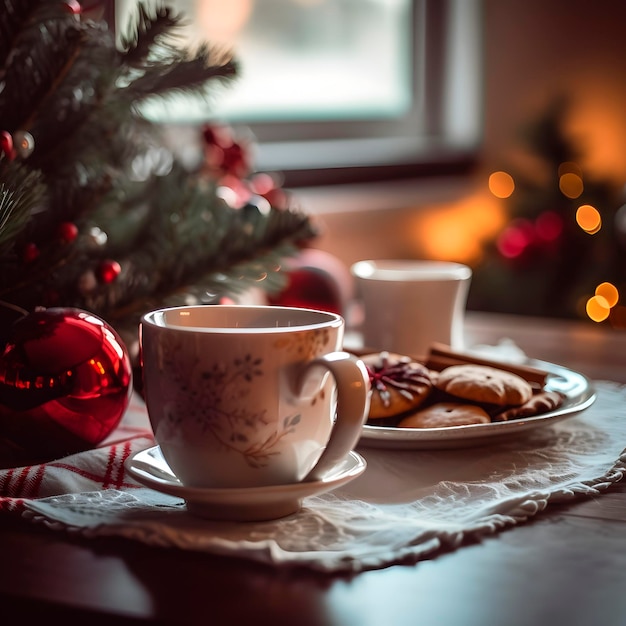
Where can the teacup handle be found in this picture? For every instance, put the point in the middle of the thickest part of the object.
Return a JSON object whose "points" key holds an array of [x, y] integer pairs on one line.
{"points": [[353, 386]]}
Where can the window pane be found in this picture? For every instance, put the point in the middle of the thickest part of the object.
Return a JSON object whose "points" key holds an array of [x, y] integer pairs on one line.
{"points": [[323, 59], [305, 59]]}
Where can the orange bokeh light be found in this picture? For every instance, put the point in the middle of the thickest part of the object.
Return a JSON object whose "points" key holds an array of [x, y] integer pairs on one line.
{"points": [[501, 184], [588, 218], [609, 292], [571, 185], [598, 308]]}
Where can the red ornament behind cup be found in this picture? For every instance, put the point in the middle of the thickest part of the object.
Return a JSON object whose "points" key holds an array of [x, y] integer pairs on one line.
{"points": [[65, 382]]}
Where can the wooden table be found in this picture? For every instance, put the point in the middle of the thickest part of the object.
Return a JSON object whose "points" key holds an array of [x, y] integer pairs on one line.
{"points": [[566, 566]]}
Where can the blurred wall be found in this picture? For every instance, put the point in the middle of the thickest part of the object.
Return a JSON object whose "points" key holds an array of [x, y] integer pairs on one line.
{"points": [[534, 51]]}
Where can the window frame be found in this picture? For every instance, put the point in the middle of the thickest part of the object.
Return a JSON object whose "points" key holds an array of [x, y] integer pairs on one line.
{"points": [[427, 141], [367, 150]]}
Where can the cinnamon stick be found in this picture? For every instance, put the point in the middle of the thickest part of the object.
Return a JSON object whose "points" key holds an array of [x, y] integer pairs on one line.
{"points": [[441, 356]]}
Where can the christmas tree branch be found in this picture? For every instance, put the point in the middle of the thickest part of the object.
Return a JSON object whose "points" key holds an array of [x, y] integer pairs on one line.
{"points": [[184, 76], [95, 210], [21, 193], [149, 31], [74, 52], [157, 65]]}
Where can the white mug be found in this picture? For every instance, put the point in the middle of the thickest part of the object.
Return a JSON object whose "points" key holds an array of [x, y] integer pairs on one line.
{"points": [[250, 396], [410, 304]]}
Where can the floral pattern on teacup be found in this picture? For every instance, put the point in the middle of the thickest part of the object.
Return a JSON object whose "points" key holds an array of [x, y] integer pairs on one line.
{"points": [[214, 408], [305, 345]]}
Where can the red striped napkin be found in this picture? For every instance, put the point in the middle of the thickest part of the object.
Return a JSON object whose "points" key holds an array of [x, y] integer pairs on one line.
{"points": [[93, 470]]}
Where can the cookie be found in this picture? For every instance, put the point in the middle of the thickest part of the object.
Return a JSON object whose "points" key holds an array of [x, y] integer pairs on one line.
{"points": [[446, 414], [541, 402], [484, 384], [398, 384]]}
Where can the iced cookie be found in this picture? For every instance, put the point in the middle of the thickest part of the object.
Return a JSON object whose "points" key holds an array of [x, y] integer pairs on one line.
{"points": [[399, 384], [445, 414], [483, 384]]}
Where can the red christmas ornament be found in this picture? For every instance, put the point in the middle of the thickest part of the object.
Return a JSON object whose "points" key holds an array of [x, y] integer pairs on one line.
{"points": [[108, 271], [316, 280], [67, 231], [6, 144], [65, 383]]}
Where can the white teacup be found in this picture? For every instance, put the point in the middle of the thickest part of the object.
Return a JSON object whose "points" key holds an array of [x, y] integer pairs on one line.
{"points": [[410, 304], [250, 396]]}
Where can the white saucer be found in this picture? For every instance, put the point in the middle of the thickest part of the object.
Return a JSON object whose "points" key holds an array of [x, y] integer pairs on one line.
{"points": [[149, 468]]}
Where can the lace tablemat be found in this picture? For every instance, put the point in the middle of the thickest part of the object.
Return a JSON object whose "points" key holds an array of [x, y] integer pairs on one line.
{"points": [[405, 507]]}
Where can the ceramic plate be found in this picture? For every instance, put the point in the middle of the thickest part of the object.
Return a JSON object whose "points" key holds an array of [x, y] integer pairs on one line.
{"points": [[579, 395], [149, 468]]}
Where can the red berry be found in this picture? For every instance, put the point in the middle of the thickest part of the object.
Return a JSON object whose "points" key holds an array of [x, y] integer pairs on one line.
{"points": [[108, 271], [67, 231]]}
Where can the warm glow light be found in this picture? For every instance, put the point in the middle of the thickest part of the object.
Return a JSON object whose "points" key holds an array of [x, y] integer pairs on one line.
{"points": [[599, 118], [589, 219], [609, 292], [458, 231], [571, 185], [598, 308], [501, 184]]}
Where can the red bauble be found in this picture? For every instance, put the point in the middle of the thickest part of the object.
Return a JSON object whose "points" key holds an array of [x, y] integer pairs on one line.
{"points": [[316, 280], [65, 383], [108, 271], [67, 231], [6, 144]]}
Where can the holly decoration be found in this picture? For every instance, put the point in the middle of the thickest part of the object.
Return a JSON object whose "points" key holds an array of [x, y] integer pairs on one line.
{"points": [[65, 383]]}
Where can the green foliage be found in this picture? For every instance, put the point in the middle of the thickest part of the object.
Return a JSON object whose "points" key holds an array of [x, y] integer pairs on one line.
{"points": [[99, 165]]}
